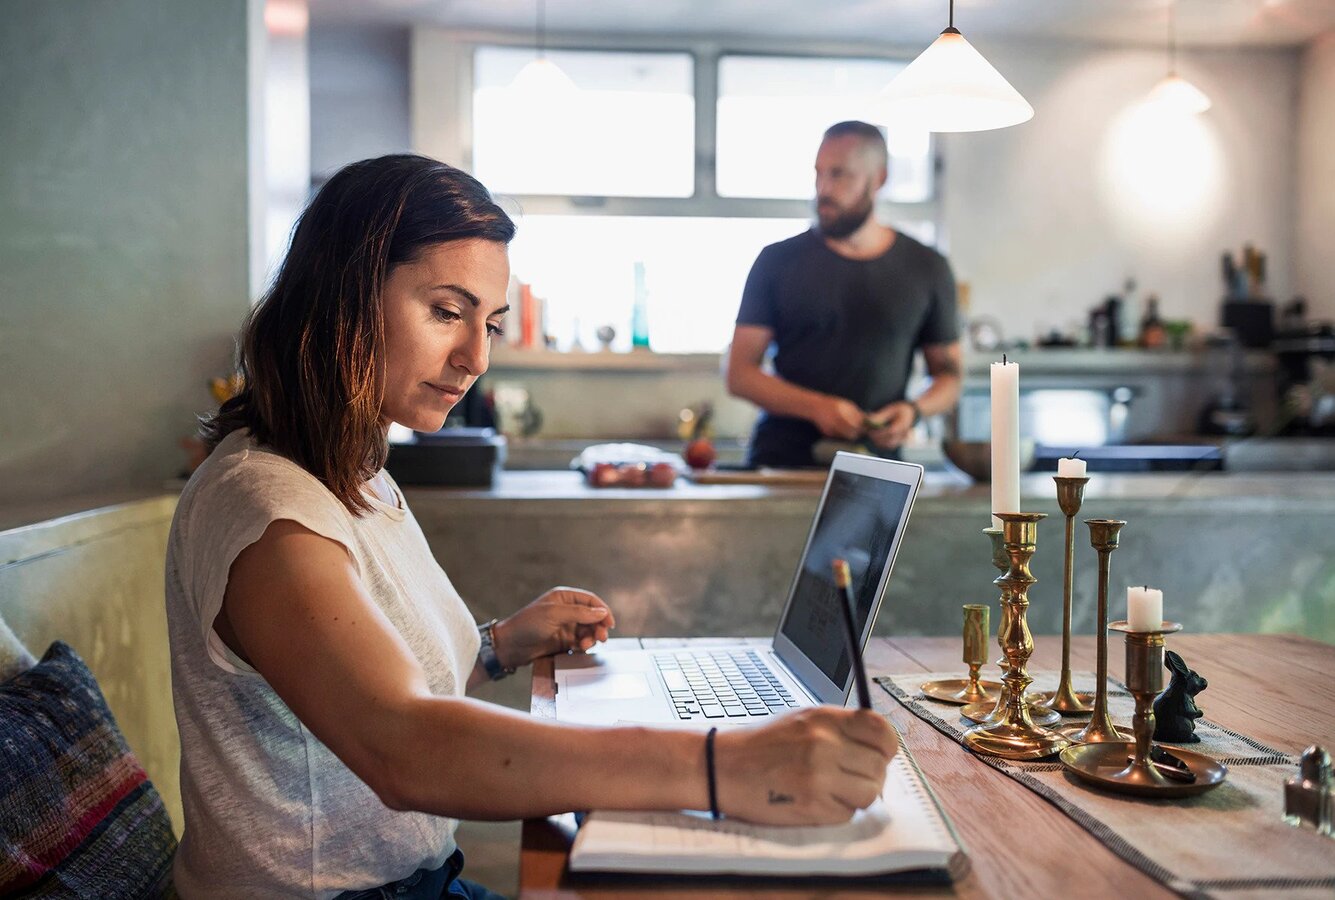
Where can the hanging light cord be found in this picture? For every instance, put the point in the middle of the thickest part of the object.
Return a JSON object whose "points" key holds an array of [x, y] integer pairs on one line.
{"points": [[542, 28], [1172, 38], [950, 28]]}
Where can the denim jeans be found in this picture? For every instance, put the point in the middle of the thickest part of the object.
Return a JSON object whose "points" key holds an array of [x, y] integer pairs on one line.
{"points": [[428, 884]]}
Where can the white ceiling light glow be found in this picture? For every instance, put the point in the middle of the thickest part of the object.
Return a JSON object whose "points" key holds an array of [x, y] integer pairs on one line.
{"points": [[542, 78], [1174, 93]]}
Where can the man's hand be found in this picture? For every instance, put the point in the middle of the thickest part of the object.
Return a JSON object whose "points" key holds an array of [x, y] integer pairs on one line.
{"points": [[838, 418], [814, 766], [890, 425], [562, 619]]}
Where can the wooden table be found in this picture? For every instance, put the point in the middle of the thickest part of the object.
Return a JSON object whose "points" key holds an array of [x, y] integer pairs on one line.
{"points": [[1278, 689]]}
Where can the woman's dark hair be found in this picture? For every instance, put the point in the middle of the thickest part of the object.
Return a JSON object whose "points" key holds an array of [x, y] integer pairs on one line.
{"points": [[312, 349]]}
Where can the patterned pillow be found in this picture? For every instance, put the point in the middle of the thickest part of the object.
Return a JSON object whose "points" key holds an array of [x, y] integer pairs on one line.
{"points": [[78, 816]]}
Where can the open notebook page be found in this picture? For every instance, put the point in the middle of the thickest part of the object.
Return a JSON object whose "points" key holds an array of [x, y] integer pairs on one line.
{"points": [[903, 830]]}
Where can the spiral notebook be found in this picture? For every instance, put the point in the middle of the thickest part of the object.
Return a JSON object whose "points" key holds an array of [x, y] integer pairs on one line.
{"points": [[904, 832]]}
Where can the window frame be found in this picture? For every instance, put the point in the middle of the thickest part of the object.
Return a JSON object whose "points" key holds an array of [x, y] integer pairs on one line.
{"points": [[705, 200]]}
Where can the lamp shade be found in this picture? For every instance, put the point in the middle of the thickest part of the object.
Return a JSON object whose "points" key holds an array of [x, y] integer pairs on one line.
{"points": [[542, 78], [1175, 94], [950, 87]]}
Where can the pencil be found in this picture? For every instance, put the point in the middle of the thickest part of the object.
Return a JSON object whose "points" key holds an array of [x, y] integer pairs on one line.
{"points": [[844, 582]]}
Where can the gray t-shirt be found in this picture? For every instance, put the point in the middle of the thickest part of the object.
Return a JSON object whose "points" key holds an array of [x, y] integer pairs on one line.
{"points": [[843, 327], [269, 810]]}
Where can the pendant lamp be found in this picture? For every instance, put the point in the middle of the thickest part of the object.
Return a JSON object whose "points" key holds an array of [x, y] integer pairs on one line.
{"points": [[950, 87], [1174, 93], [542, 77]]}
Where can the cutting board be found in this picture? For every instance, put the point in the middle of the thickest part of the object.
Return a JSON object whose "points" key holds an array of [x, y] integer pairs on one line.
{"points": [[765, 476]]}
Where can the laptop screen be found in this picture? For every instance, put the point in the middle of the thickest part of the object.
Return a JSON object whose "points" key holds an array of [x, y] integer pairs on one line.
{"points": [[857, 522]]}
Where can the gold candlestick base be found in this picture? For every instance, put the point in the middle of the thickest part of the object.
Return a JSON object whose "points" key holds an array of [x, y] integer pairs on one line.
{"points": [[971, 689], [991, 712], [962, 691], [1135, 768], [1016, 736], [1067, 702]]}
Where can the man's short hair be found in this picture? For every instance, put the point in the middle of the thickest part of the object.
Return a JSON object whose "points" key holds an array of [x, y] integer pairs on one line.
{"points": [[871, 136]]}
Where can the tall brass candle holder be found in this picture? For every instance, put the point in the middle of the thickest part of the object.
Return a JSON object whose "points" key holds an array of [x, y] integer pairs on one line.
{"points": [[1103, 535], [989, 712], [1140, 767], [1065, 700], [1016, 736], [970, 689]]}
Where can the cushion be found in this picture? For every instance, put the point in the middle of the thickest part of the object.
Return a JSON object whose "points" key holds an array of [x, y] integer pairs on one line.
{"points": [[14, 657], [78, 816]]}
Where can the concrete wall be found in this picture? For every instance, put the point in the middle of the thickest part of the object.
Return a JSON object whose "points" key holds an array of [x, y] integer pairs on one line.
{"points": [[1046, 218], [123, 234], [1315, 185]]}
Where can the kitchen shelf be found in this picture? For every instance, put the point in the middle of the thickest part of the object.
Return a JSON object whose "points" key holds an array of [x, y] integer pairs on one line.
{"points": [[604, 361]]}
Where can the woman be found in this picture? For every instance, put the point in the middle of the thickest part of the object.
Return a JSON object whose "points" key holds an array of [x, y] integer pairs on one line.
{"points": [[320, 656]]}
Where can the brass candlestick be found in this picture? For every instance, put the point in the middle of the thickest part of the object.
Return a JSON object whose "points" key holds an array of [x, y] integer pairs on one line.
{"points": [[1065, 700], [970, 689], [1103, 535], [989, 712], [1140, 767], [1016, 736]]}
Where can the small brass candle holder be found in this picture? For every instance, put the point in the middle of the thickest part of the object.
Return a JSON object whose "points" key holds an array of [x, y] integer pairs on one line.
{"points": [[970, 689], [1140, 767], [1104, 535], [991, 711], [1065, 700], [1016, 736]]}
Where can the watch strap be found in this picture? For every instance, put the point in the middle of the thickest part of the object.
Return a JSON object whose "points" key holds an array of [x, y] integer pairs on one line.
{"points": [[486, 652]]}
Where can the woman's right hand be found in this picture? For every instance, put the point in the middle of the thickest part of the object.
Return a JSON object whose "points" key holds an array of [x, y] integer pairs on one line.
{"points": [[810, 767]]}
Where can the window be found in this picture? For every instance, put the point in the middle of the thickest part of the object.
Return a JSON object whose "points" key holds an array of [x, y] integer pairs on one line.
{"points": [[608, 178], [693, 273], [772, 111], [623, 107]]}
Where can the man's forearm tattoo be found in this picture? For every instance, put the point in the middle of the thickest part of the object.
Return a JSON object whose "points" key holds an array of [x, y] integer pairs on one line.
{"points": [[776, 797]]}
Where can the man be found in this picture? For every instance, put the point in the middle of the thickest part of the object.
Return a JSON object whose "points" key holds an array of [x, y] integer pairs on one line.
{"points": [[846, 304]]}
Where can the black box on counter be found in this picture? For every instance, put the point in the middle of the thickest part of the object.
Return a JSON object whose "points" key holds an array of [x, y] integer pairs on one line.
{"points": [[451, 457]]}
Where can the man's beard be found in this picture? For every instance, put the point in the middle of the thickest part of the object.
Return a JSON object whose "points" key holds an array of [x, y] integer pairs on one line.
{"points": [[840, 223]]}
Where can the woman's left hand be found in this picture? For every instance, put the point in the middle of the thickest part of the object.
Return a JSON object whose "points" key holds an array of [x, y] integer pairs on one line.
{"points": [[562, 619]]}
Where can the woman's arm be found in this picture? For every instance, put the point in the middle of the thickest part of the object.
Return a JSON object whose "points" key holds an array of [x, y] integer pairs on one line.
{"points": [[296, 610]]}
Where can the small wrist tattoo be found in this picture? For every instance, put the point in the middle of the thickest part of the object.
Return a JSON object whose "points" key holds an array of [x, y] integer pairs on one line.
{"points": [[776, 797]]}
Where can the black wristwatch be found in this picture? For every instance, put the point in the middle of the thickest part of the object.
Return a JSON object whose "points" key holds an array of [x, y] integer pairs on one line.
{"points": [[917, 413], [487, 652]]}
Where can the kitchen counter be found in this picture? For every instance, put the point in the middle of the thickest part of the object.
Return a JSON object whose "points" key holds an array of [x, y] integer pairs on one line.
{"points": [[1236, 491], [1232, 552]]}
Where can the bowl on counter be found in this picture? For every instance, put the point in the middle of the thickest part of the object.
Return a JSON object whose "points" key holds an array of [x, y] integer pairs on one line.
{"points": [[974, 458]]}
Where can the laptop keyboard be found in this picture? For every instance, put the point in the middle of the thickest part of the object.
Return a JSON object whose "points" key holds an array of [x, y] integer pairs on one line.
{"points": [[718, 684]]}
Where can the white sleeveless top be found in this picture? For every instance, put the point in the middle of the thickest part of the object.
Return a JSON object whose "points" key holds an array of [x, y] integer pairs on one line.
{"points": [[269, 810]]}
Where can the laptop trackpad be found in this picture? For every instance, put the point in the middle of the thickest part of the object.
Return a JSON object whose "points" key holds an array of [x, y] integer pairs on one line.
{"points": [[595, 686]]}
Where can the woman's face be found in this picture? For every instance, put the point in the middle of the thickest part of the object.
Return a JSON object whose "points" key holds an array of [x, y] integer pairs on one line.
{"points": [[441, 311]]}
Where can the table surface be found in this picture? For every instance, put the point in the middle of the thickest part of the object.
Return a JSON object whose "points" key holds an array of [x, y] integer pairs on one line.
{"points": [[1275, 688]]}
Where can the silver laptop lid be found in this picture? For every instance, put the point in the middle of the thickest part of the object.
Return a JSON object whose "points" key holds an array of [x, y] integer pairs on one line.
{"points": [[861, 518]]}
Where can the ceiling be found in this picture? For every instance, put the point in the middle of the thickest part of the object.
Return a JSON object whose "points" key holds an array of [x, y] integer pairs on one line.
{"points": [[1276, 23]]}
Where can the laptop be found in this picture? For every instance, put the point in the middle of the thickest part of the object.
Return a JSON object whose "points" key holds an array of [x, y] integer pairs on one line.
{"points": [[861, 517]]}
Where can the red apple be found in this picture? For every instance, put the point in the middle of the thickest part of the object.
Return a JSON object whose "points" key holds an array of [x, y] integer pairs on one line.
{"points": [[700, 453]]}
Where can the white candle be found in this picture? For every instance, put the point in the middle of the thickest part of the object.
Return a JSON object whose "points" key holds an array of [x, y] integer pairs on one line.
{"points": [[1070, 467], [1144, 608], [1005, 439]]}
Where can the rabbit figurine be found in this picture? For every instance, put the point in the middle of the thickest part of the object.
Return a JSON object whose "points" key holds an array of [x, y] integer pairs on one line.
{"points": [[1175, 713]]}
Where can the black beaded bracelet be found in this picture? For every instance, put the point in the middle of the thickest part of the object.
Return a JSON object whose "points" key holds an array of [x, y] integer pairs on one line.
{"points": [[709, 767]]}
